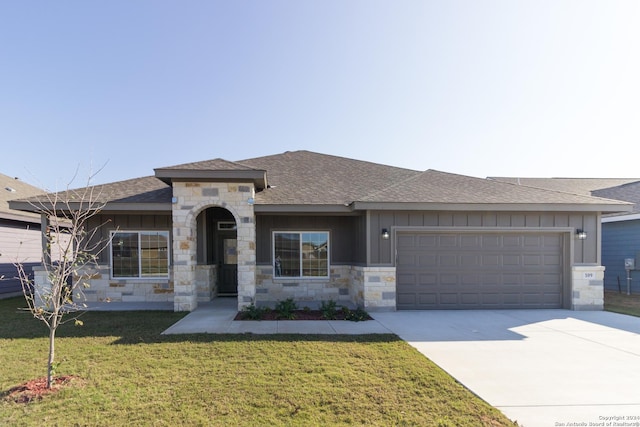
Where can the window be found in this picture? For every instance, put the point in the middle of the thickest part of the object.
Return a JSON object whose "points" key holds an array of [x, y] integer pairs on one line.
{"points": [[140, 254], [301, 254]]}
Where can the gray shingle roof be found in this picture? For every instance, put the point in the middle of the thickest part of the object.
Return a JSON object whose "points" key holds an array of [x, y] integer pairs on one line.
{"points": [[628, 192], [441, 187], [304, 177], [568, 185], [21, 190], [314, 179], [214, 164]]}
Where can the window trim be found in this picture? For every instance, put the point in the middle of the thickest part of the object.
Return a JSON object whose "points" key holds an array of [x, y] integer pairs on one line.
{"points": [[300, 232], [139, 232]]}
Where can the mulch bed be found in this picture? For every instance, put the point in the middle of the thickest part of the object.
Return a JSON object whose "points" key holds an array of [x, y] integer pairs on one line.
{"points": [[37, 388], [298, 315]]}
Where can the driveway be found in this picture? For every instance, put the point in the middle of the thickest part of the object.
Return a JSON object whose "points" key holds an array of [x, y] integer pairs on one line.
{"points": [[539, 367]]}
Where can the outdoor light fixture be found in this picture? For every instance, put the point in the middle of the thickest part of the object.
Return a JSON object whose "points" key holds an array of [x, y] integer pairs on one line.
{"points": [[581, 234], [385, 234]]}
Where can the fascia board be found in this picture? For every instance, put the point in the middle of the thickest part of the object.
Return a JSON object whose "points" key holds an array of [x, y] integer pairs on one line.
{"points": [[511, 207], [302, 208], [109, 207], [619, 218], [257, 176]]}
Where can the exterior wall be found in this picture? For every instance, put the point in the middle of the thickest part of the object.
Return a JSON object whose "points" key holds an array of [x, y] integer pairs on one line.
{"points": [[191, 198], [585, 252], [206, 282], [347, 235], [374, 288], [19, 242], [102, 288], [621, 240], [587, 291], [306, 292], [123, 222]]}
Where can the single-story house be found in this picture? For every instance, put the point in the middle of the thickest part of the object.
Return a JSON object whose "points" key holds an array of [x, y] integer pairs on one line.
{"points": [[317, 227], [20, 236], [620, 230]]}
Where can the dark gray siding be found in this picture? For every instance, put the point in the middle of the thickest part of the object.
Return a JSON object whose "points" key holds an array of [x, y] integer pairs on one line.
{"points": [[107, 223], [347, 235], [620, 240], [585, 252]]}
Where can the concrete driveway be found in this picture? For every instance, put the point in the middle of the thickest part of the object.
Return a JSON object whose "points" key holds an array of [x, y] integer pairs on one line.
{"points": [[539, 367]]}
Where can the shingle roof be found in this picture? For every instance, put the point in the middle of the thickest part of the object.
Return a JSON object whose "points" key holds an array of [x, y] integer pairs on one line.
{"points": [[214, 164], [147, 189], [314, 179], [568, 185], [13, 188], [304, 177], [628, 192], [441, 187]]}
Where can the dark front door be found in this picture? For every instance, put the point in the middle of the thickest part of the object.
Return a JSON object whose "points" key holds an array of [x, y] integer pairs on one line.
{"points": [[227, 264]]}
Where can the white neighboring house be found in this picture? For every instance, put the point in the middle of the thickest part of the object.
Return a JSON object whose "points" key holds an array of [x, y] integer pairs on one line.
{"points": [[20, 237]]}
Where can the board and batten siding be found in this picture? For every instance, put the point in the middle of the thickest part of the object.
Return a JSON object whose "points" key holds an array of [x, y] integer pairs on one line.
{"points": [[108, 223], [347, 235], [585, 251], [621, 240]]}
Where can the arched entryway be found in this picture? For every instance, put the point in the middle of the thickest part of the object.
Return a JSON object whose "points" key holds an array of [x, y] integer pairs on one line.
{"points": [[216, 254]]}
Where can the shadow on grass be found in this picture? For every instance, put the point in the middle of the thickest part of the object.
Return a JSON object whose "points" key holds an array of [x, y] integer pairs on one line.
{"points": [[136, 327]]}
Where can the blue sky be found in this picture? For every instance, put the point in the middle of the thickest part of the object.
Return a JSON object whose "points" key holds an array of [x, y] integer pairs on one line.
{"points": [[481, 88]]}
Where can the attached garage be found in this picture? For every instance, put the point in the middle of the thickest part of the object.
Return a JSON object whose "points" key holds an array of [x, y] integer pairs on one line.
{"points": [[480, 270]]}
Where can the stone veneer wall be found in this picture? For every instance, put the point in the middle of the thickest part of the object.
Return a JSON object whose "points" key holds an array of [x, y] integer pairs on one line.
{"points": [[103, 288], [376, 287], [306, 292], [206, 282], [190, 199], [587, 290]]}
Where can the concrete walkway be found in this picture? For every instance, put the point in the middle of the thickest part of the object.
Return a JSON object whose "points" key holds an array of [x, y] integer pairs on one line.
{"points": [[216, 317]]}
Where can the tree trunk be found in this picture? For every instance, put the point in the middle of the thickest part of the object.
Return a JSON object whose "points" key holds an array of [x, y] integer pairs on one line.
{"points": [[52, 352]]}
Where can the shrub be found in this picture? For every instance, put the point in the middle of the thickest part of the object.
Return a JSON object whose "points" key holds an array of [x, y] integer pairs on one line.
{"points": [[286, 308], [329, 309], [357, 315], [252, 312]]}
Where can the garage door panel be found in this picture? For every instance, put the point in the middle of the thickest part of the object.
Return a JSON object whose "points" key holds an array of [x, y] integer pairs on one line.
{"points": [[480, 270]]}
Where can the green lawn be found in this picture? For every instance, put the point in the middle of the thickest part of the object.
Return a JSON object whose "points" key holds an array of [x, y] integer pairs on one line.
{"points": [[131, 375], [622, 303]]}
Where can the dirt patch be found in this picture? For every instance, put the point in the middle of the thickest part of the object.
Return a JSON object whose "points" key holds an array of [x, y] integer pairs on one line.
{"points": [[36, 389]]}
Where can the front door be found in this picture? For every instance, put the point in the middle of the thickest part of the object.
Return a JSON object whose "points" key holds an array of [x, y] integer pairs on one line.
{"points": [[227, 264]]}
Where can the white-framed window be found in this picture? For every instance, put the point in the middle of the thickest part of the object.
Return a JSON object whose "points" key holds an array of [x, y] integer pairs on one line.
{"points": [[301, 254], [139, 254]]}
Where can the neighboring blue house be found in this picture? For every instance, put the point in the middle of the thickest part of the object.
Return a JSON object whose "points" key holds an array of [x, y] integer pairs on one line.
{"points": [[620, 232], [621, 239]]}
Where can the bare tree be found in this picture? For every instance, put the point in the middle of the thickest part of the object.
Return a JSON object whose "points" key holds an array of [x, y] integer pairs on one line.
{"points": [[69, 248]]}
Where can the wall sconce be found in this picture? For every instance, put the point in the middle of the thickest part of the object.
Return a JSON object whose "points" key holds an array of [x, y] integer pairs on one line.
{"points": [[581, 234], [385, 234]]}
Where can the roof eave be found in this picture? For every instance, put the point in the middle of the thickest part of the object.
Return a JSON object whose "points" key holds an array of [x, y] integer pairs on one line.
{"points": [[303, 208], [258, 177], [525, 207]]}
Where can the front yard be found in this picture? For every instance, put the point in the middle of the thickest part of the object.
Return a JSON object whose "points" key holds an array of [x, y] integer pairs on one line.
{"points": [[131, 375]]}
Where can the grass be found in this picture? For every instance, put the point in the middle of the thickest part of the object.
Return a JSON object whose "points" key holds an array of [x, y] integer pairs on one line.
{"points": [[131, 375], [622, 303]]}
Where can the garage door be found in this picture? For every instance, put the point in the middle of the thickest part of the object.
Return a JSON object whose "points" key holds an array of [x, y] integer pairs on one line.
{"points": [[479, 270]]}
